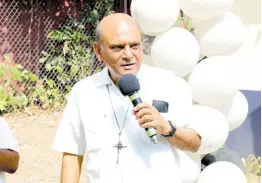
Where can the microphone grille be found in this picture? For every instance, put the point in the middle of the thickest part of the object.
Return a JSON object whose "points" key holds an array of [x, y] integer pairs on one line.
{"points": [[128, 84]]}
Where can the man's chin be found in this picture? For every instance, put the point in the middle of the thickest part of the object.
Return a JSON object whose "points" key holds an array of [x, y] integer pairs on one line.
{"points": [[131, 71]]}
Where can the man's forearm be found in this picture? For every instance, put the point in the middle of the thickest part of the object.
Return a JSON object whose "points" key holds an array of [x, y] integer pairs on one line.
{"points": [[9, 161], [186, 140], [71, 168]]}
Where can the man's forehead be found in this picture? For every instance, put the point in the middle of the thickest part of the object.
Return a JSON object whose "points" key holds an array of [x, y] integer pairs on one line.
{"points": [[121, 39], [120, 31]]}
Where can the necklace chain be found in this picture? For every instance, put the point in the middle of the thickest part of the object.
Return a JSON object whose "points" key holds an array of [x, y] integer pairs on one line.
{"points": [[120, 129]]}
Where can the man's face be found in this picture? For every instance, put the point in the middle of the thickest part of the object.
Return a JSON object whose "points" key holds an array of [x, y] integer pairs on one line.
{"points": [[121, 50]]}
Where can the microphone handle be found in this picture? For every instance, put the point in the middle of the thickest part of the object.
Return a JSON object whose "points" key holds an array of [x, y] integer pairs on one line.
{"points": [[151, 132]]}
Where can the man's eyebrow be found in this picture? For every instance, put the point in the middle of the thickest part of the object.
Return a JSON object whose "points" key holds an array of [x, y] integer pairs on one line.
{"points": [[123, 44]]}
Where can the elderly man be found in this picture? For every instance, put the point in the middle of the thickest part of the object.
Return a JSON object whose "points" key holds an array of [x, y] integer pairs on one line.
{"points": [[99, 120], [9, 157]]}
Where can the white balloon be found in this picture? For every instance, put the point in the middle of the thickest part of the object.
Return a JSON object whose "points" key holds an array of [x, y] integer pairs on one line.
{"points": [[212, 81], [190, 166], [251, 37], [220, 36], [222, 172], [212, 126], [248, 60], [176, 50], [154, 16], [235, 111], [205, 9]]}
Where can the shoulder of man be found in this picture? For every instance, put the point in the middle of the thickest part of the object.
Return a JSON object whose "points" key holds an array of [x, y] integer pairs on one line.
{"points": [[86, 84]]}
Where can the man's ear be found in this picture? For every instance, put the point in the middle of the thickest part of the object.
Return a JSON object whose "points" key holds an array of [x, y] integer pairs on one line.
{"points": [[97, 49]]}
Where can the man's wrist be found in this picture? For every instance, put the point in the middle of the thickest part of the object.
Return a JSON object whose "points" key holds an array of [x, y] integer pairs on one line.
{"points": [[171, 129], [168, 128]]}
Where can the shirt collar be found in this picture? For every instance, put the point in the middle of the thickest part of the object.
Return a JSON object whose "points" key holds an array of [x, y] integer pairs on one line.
{"points": [[102, 78]]}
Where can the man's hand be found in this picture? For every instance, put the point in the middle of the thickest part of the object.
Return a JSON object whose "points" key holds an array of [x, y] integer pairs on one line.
{"points": [[184, 139], [149, 117]]}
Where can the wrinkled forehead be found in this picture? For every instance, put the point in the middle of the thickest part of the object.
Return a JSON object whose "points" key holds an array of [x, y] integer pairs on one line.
{"points": [[123, 32]]}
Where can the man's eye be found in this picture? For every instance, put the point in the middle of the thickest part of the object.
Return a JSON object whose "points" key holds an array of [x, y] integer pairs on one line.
{"points": [[117, 48], [135, 46]]}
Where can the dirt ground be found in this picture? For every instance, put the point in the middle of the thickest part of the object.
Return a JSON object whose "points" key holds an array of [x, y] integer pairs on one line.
{"points": [[35, 133]]}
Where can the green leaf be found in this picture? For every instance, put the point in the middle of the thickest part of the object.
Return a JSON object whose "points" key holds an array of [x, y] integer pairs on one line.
{"points": [[3, 70], [59, 69], [42, 60], [18, 66], [48, 66], [65, 37], [81, 26], [49, 92], [3, 94], [73, 70], [16, 74], [50, 83], [25, 74], [12, 100], [3, 105], [32, 77], [7, 57], [74, 36], [44, 53]]}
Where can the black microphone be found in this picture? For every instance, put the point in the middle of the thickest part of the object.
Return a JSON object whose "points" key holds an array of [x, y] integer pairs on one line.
{"points": [[129, 86]]}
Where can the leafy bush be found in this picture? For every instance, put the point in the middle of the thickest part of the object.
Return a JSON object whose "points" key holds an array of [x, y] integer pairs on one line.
{"points": [[61, 66], [15, 82], [69, 61], [46, 94]]}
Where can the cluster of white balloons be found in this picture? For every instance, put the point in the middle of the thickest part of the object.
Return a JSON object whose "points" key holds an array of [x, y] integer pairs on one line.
{"points": [[220, 36]]}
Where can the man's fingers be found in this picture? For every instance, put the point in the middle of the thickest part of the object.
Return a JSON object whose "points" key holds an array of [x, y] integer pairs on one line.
{"points": [[142, 112], [141, 106], [145, 119], [152, 124]]}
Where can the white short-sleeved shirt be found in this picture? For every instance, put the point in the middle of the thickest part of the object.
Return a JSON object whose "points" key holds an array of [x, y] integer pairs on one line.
{"points": [[88, 126], [7, 141]]}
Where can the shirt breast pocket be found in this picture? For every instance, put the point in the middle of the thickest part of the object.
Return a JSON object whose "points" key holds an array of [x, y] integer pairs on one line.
{"points": [[163, 108]]}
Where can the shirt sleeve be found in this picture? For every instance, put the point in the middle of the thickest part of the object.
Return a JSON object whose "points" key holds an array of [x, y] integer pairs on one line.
{"points": [[70, 136], [7, 139], [181, 104]]}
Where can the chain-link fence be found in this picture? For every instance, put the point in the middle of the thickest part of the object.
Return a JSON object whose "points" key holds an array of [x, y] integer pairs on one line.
{"points": [[45, 48]]}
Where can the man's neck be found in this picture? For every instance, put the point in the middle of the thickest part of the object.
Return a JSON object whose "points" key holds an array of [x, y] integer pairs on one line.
{"points": [[114, 79]]}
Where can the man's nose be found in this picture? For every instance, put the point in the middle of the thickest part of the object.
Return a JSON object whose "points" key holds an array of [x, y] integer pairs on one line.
{"points": [[127, 53]]}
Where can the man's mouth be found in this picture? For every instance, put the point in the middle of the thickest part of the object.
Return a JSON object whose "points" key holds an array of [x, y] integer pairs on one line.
{"points": [[128, 66]]}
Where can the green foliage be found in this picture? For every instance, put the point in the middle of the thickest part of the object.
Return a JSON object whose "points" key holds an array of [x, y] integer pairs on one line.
{"points": [[92, 14], [253, 168], [46, 94], [61, 66], [69, 62], [14, 84]]}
